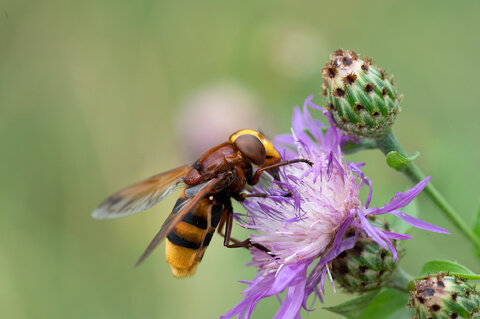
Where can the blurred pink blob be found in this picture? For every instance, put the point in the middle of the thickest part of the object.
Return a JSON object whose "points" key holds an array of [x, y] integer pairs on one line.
{"points": [[211, 114]]}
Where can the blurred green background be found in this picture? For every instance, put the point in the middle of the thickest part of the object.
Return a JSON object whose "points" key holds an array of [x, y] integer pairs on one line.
{"points": [[95, 95]]}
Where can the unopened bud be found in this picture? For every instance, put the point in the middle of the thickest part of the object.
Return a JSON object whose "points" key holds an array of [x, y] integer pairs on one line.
{"points": [[361, 97], [442, 296]]}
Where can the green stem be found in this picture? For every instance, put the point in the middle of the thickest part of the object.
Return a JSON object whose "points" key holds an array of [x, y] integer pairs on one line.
{"points": [[400, 280], [388, 143]]}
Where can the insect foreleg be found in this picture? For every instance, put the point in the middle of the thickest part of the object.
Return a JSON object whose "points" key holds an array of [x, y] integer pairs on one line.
{"points": [[242, 196], [259, 171]]}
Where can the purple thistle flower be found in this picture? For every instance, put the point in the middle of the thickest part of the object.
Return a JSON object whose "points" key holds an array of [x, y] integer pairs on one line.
{"points": [[306, 231]]}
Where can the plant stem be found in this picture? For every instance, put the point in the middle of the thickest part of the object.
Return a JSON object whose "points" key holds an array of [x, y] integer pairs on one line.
{"points": [[400, 280], [388, 143]]}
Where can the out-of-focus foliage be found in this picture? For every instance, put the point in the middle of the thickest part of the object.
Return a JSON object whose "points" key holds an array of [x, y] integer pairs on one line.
{"points": [[90, 98]]}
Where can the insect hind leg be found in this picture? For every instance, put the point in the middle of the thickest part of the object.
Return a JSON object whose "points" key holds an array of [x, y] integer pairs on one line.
{"points": [[227, 220]]}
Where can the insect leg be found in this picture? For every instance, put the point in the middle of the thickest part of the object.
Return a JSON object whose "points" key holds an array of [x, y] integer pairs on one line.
{"points": [[220, 229], [242, 196], [228, 220], [259, 171]]}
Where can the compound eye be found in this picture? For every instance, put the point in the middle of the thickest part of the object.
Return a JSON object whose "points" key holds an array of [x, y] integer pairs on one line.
{"points": [[251, 147]]}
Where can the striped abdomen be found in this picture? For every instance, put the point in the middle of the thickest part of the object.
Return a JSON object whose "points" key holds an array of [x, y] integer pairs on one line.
{"points": [[187, 243]]}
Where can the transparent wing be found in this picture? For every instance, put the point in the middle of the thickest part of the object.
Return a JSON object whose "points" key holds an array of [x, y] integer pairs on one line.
{"points": [[177, 214], [140, 196]]}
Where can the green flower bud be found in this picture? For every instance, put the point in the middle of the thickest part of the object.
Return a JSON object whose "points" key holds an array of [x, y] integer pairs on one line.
{"points": [[367, 266], [361, 98], [442, 296]]}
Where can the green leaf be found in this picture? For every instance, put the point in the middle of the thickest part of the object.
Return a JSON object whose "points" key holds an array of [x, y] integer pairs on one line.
{"points": [[388, 304], [353, 307], [455, 269], [398, 161]]}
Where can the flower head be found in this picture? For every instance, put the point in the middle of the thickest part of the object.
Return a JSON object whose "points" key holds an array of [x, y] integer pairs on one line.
{"points": [[304, 232], [367, 266]]}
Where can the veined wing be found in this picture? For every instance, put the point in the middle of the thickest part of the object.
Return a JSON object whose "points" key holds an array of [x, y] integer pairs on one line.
{"points": [[140, 196], [177, 215]]}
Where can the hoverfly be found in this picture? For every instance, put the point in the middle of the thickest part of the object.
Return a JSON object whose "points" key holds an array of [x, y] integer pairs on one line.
{"points": [[218, 175]]}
